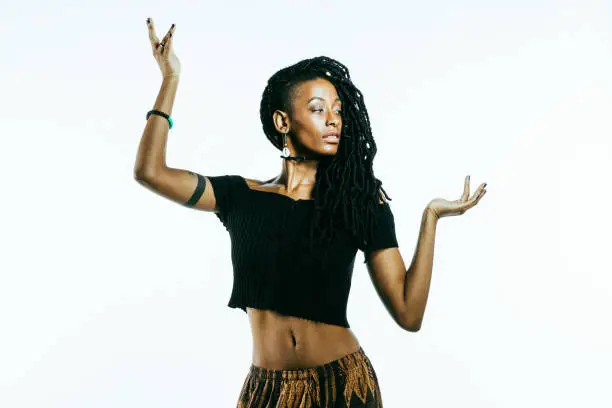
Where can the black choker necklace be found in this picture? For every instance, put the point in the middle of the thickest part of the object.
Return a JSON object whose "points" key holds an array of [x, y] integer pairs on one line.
{"points": [[296, 158]]}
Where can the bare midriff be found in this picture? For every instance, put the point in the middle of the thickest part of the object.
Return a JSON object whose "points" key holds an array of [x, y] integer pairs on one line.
{"points": [[287, 343]]}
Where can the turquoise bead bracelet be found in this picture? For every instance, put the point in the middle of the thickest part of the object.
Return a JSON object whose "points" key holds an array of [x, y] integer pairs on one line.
{"points": [[156, 112]]}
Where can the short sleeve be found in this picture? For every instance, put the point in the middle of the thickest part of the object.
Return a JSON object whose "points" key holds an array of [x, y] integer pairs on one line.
{"points": [[224, 188], [383, 235]]}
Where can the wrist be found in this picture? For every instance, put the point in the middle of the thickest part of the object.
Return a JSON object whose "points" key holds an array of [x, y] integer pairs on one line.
{"points": [[430, 212], [170, 78]]}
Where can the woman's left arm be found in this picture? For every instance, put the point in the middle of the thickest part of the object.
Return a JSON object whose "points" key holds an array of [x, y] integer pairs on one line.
{"points": [[418, 275]]}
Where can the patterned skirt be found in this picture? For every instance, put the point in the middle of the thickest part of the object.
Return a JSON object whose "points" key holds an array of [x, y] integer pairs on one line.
{"points": [[347, 382]]}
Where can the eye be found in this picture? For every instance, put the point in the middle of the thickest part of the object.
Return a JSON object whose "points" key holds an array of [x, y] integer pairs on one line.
{"points": [[339, 111]]}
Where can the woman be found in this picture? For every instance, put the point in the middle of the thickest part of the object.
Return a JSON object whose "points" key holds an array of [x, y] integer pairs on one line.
{"points": [[294, 237]]}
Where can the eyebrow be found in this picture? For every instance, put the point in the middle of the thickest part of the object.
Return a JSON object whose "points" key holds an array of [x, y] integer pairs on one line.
{"points": [[317, 97]]}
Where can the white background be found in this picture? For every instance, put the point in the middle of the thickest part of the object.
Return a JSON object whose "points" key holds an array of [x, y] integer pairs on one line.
{"points": [[112, 296]]}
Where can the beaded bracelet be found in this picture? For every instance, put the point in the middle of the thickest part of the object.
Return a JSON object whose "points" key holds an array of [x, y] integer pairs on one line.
{"points": [[156, 112]]}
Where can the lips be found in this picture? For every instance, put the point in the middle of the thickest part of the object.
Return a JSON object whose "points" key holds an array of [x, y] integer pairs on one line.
{"points": [[331, 138]]}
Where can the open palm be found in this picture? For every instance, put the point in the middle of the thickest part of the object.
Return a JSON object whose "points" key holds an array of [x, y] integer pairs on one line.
{"points": [[443, 208]]}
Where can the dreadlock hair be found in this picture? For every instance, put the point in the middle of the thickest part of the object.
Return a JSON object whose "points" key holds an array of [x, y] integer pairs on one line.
{"points": [[345, 188]]}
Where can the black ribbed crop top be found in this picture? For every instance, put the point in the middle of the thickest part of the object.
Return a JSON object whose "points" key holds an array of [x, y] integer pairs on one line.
{"points": [[269, 240]]}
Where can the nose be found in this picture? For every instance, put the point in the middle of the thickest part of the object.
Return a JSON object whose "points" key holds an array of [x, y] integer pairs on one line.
{"points": [[334, 120]]}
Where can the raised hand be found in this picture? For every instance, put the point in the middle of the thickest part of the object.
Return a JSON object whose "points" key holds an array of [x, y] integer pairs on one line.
{"points": [[163, 51], [443, 208]]}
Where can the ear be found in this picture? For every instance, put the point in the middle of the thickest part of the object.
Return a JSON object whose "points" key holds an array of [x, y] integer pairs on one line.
{"points": [[281, 121]]}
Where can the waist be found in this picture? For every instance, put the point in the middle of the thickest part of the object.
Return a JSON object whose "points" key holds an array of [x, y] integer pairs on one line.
{"points": [[285, 342]]}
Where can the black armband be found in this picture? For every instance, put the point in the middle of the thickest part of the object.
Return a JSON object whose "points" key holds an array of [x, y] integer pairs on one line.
{"points": [[199, 190]]}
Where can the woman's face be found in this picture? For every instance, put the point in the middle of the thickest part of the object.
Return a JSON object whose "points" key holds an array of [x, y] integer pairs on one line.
{"points": [[316, 113]]}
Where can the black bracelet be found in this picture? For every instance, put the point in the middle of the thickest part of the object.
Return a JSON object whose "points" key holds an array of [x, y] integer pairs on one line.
{"points": [[156, 112]]}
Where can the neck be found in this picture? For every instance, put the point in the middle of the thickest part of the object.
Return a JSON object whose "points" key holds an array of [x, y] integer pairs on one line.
{"points": [[297, 173]]}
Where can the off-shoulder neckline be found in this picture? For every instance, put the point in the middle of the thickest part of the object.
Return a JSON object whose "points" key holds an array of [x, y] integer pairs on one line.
{"points": [[276, 194], [246, 185]]}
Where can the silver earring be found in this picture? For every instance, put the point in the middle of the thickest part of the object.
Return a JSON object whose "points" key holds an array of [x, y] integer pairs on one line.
{"points": [[286, 152]]}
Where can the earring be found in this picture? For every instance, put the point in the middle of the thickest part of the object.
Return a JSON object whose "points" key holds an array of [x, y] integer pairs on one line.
{"points": [[286, 152]]}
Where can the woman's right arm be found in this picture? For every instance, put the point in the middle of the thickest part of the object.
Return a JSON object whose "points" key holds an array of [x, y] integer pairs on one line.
{"points": [[150, 169]]}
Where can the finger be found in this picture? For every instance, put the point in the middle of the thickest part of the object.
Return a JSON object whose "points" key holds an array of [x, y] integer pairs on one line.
{"points": [[167, 50], [473, 200], [168, 46], [164, 40], [152, 37], [481, 193], [466, 189]]}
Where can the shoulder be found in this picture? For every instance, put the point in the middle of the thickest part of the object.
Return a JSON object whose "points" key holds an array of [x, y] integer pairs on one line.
{"points": [[235, 179], [231, 181], [251, 182]]}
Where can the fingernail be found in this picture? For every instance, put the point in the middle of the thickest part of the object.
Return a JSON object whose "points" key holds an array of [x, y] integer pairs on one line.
{"points": [[148, 20], [172, 26]]}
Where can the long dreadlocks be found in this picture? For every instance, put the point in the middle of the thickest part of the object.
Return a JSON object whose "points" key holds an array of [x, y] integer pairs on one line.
{"points": [[345, 187]]}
